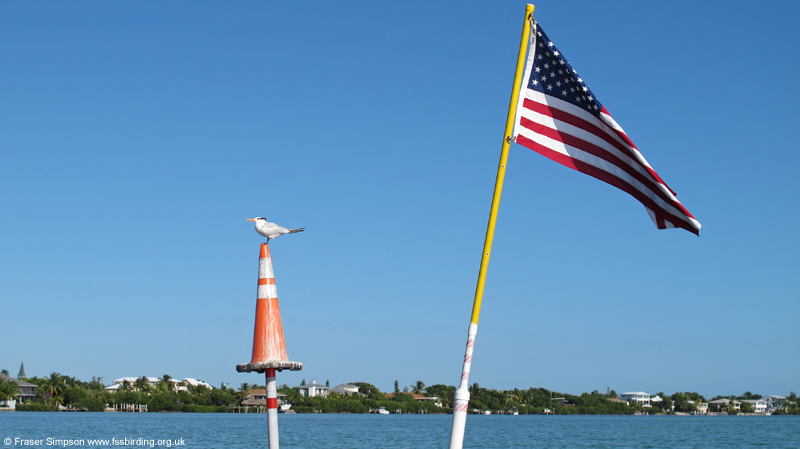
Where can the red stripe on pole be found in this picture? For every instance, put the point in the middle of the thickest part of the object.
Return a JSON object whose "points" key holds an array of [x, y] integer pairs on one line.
{"points": [[272, 403]]}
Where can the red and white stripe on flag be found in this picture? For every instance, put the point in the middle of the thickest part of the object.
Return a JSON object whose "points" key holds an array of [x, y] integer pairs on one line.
{"points": [[559, 117]]}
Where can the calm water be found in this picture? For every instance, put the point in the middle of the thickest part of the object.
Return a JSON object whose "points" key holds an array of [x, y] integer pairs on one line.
{"points": [[402, 431]]}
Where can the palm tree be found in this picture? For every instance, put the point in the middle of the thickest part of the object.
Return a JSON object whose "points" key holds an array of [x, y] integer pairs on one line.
{"points": [[8, 390], [474, 388], [198, 390], [165, 384], [418, 388], [53, 386], [243, 389], [71, 382], [142, 384]]}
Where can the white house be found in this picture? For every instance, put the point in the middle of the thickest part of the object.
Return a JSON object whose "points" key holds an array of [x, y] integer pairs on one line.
{"points": [[774, 402], [313, 389], [702, 408], [637, 397], [723, 403], [345, 389], [153, 381], [190, 381], [180, 385], [759, 405]]}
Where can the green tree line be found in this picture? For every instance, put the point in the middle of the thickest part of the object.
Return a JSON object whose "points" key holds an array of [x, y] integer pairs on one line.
{"points": [[60, 390], [57, 389]]}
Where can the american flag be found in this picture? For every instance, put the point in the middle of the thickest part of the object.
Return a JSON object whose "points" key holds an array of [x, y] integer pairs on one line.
{"points": [[560, 118]]}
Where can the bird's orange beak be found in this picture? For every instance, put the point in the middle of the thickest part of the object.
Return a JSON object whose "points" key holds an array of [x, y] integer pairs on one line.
{"points": [[250, 219]]}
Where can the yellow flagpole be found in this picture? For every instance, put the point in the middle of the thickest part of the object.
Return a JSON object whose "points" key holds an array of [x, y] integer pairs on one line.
{"points": [[461, 404], [501, 169]]}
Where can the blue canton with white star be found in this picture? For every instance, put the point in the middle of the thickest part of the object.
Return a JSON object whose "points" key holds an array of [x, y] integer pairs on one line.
{"points": [[552, 74]]}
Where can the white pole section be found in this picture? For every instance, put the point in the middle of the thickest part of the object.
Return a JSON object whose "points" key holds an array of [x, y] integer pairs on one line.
{"points": [[461, 406], [272, 408]]}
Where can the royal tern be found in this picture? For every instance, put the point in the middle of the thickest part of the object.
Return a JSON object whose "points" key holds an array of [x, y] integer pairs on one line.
{"points": [[271, 230]]}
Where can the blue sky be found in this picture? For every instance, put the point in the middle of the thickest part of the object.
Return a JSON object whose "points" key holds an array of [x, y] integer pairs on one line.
{"points": [[137, 137]]}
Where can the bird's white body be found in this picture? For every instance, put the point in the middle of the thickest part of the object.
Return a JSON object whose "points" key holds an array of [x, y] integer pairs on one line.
{"points": [[271, 230]]}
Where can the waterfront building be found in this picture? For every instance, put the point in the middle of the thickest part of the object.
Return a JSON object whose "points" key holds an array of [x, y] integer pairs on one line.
{"points": [[27, 390], [563, 402], [723, 403], [153, 381], [345, 389], [417, 397], [702, 408], [759, 406], [313, 389], [192, 382], [637, 397], [774, 402], [258, 397], [180, 385]]}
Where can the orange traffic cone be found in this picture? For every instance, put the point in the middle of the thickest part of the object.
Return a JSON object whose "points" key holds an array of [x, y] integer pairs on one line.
{"points": [[269, 347]]}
